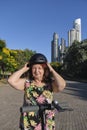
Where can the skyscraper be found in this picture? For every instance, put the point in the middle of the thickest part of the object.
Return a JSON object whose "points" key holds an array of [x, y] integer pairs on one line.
{"points": [[77, 26], [71, 36], [75, 32], [54, 48], [62, 49]]}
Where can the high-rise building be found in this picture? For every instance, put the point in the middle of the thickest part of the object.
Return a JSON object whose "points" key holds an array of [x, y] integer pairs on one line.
{"points": [[62, 49], [75, 32], [71, 36], [54, 48], [77, 26]]}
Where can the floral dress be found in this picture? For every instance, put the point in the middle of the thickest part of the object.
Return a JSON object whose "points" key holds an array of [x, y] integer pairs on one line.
{"points": [[37, 96]]}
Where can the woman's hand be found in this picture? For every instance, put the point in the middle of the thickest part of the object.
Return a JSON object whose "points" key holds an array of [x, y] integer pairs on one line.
{"points": [[58, 83], [50, 67], [26, 67]]}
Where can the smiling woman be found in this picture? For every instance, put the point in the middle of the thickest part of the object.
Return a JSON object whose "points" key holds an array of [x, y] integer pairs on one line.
{"points": [[38, 90]]}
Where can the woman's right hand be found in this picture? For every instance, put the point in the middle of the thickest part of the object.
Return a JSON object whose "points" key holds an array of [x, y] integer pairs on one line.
{"points": [[26, 67]]}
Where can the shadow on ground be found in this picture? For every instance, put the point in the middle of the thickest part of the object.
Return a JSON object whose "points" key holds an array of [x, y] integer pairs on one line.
{"points": [[76, 89]]}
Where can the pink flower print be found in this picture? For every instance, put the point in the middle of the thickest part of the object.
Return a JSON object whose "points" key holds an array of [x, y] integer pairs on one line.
{"points": [[38, 127], [40, 99], [27, 84], [24, 113], [50, 114]]}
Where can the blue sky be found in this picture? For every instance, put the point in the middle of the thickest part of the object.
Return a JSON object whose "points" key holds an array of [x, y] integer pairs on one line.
{"points": [[31, 23]]}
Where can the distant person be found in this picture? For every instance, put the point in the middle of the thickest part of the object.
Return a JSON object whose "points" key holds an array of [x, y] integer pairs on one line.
{"points": [[38, 90]]}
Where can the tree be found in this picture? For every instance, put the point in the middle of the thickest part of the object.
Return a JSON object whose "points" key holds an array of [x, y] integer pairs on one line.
{"points": [[2, 44], [75, 59], [11, 60], [23, 56], [56, 66]]}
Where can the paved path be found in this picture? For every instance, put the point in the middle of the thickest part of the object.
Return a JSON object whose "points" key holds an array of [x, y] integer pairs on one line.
{"points": [[74, 95]]}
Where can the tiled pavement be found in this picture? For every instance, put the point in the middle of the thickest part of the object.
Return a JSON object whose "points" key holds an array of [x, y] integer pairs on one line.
{"points": [[73, 96]]}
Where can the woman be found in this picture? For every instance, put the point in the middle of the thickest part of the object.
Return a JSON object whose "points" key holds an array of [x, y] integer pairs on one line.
{"points": [[38, 90]]}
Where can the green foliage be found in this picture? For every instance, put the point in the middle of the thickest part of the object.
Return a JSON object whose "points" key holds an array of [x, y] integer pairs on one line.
{"points": [[2, 44], [23, 56], [56, 66], [11, 60], [76, 60]]}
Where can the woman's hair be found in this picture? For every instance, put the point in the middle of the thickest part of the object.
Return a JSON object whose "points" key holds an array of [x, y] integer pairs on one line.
{"points": [[46, 76]]}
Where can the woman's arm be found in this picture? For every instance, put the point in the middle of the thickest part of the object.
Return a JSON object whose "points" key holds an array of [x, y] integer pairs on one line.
{"points": [[15, 79], [58, 83]]}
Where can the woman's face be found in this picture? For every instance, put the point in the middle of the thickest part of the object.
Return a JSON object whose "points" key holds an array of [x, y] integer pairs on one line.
{"points": [[37, 71]]}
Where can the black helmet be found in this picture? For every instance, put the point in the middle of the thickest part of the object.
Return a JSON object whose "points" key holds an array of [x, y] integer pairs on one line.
{"points": [[37, 58]]}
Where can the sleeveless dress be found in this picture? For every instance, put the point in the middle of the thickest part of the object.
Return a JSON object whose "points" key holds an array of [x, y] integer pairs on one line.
{"points": [[35, 96]]}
